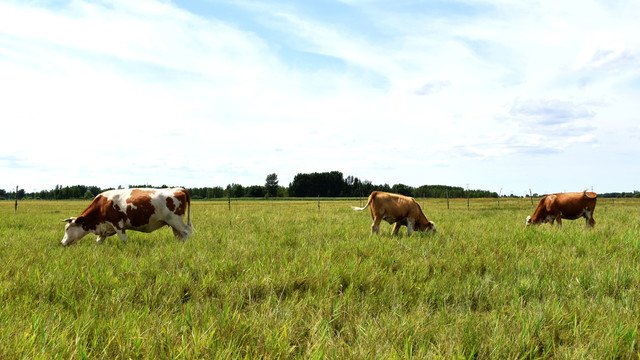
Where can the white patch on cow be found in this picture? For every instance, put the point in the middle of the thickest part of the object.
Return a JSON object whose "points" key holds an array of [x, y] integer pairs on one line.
{"points": [[529, 220]]}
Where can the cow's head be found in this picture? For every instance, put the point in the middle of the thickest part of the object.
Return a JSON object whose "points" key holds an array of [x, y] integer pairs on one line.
{"points": [[73, 231], [430, 226], [538, 221]]}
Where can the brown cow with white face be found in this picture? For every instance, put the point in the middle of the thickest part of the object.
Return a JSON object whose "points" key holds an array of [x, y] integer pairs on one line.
{"points": [[112, 212], [568, 206], [398, 209]]}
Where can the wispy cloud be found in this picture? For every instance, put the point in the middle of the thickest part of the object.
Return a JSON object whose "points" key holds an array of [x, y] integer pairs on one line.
{"points": [[432, 87], [549, 112], [13, 162], [383, 90]]}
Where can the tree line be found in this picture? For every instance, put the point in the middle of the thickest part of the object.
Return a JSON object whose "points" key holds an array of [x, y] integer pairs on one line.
{"points": [[333, 184], [324, 184]]}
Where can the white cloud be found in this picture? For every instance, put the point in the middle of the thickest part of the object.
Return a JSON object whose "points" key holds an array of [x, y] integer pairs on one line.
{"points": [[151, 91]]}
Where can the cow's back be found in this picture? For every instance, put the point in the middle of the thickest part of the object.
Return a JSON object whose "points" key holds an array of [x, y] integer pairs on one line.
{"points": [[388, 206], [572, 205], [149, 209]]}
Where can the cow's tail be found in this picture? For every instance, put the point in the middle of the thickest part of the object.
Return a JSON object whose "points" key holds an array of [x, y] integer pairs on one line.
{"points": [[189, 224], [362, 208], [587, 195]]}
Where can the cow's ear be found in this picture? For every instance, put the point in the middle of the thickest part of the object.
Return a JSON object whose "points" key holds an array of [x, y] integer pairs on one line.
{"points": [[68, 220]]}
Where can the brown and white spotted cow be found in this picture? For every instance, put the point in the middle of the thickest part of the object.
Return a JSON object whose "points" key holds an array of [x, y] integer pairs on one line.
{"points": [[114, 211], [398, 209], [568, 206]]}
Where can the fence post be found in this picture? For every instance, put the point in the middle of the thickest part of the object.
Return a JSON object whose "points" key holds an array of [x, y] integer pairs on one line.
{"points": [[531, 195], [318, 202], [447, 199], [468, 196], [15, 209]]}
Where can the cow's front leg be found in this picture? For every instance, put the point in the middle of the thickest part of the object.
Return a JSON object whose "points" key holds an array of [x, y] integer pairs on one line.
{"points": [[409, 228], [559, 221]]}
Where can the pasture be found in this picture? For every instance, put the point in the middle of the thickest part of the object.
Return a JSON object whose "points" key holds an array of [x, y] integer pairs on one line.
{"points": [[285, 279]]}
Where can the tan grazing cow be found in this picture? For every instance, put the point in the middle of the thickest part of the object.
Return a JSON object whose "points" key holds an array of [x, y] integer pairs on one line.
{"points": [[570, 206], [398, 209], [112, 212]]}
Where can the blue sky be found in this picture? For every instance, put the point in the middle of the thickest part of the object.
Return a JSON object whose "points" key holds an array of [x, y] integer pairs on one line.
{"points": [[497, 94]]}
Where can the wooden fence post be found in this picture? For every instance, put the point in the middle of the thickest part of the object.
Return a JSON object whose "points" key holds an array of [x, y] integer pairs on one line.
{"points": [[468, 196], [318, 202], [15, 209], [447, 199], [531, 195]]}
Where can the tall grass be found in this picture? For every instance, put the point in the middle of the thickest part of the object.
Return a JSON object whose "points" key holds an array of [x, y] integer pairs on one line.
{"points": [[289, 280]]}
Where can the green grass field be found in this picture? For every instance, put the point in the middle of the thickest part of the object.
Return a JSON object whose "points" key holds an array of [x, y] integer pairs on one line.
{"points": [[288, 280]]}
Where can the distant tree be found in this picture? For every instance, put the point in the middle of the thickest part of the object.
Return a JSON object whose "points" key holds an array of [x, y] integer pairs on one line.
{"points": [[367, 188], [88, 195], [402, 189], [255, 191], [235, 190], [329, 184], [271, 184], [353, 186]]}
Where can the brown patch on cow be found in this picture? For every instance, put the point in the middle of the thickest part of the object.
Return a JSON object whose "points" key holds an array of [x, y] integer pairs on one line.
{"points": [[183, 197], [101, 210], [170, 205], [140, 208]]}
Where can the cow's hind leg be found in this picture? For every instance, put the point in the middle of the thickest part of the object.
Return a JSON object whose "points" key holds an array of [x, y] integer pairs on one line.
{"points": [[122, 235], [375, 227], [591, 222], [181, 231], [181, 234], [396, 228]]}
